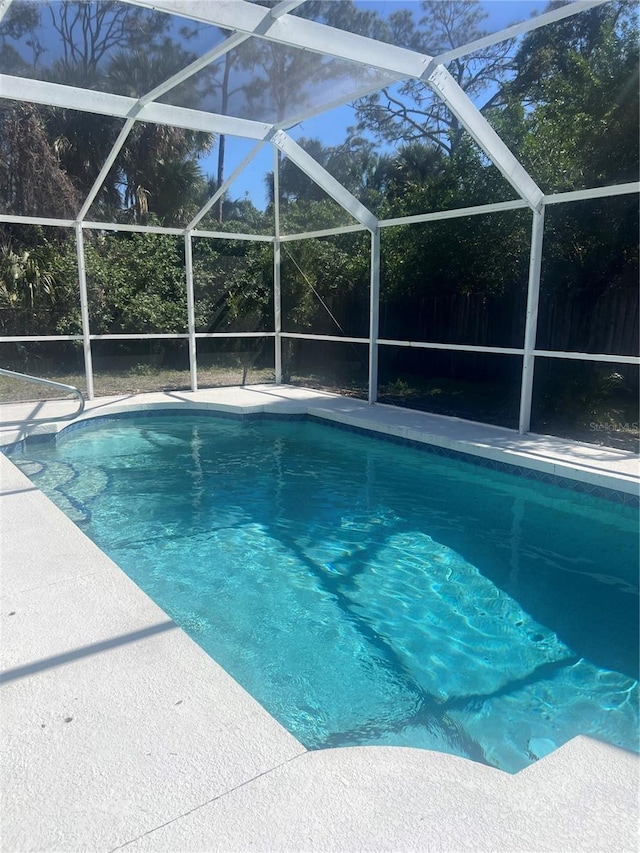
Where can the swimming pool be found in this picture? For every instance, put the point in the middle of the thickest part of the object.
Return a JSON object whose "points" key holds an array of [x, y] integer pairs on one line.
{"points": [[365, 592]]}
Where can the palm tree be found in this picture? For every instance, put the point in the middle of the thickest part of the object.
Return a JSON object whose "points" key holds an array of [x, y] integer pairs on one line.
{"points": [[157, 171]]}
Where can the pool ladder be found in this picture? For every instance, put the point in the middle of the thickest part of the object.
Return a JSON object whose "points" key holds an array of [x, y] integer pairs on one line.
{"points": [[39, 381]]}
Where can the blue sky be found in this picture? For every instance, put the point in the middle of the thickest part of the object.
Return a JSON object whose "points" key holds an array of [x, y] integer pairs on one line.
{"points": [[331, 127]]}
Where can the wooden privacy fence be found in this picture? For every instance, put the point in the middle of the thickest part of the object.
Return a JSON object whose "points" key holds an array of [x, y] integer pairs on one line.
{"points": [[577, 321]]}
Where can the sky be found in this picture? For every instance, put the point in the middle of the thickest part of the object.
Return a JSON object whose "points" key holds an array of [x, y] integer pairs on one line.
{"points": [[331, 127]]}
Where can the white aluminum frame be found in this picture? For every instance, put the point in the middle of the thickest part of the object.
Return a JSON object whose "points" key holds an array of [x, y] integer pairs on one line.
{"points": [[531, 320], [374, 315], [84, 310], [247, 20], [191, 312], [4, 8], [277, 284], [518, 29], [324, 180]]}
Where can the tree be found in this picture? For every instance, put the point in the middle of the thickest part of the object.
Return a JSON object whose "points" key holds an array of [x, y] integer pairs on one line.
{"points": [[38, 282], [90, 32], [32, 180], [410, 112], [282, 80], [233, 281], [99, 47], [23, 279], [571, 111], [571, 114], [19, 22], [136, 283]]}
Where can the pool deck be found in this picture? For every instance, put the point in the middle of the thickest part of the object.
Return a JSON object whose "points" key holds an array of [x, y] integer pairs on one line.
{"points": [[119, 732]]}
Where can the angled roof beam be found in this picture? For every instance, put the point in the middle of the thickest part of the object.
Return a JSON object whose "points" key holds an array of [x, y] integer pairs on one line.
{"points": [[327, 182], [224, 186], [119, 106], [229, 44], [299, 33], [106, 167], [4, 8], [282, 8], [197, 65], [292, 121], [397, 62], [160, 90], [518, 29], [481, 131], [173, 81]]}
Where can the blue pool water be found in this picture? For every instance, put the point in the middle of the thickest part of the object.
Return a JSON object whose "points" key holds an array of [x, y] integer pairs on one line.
{"points": [[369, 593]]}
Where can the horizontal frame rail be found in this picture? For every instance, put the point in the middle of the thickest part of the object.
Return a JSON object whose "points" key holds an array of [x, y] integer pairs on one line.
{"points": [[455, 347], [558, 354], [335, 338], [150, 336], [323, 232], [235, 335], [588, 356], [169, 336], [34, 339], [610, 191]]}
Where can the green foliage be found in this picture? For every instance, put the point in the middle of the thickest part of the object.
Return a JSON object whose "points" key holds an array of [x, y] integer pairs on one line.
{"points": [[239, 216], [488, 255], [310, 215], [572, 108], [106, 46], [38, 282], [316, 273], [233, 283], [565, 101], [591, 247], [32, 181], [136, 283]]}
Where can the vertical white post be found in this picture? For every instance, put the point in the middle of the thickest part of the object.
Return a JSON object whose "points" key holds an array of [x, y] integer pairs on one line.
{"points": [[191, 313], [84, 310], [277, 294], [374, 315], [531, 324]]}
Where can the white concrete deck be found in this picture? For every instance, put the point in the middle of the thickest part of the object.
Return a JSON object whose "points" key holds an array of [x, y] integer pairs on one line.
{"points": [[120, 732]]}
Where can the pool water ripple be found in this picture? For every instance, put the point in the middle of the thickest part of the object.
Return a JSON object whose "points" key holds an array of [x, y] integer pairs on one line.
{"points": [[367, 593]]}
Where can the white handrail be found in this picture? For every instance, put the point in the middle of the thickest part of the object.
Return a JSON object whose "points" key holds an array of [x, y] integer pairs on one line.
{"points": [[38, 381]]}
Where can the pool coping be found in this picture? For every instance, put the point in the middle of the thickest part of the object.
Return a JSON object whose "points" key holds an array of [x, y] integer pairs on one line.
{"points": [[571, 464], [200, 765]]}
